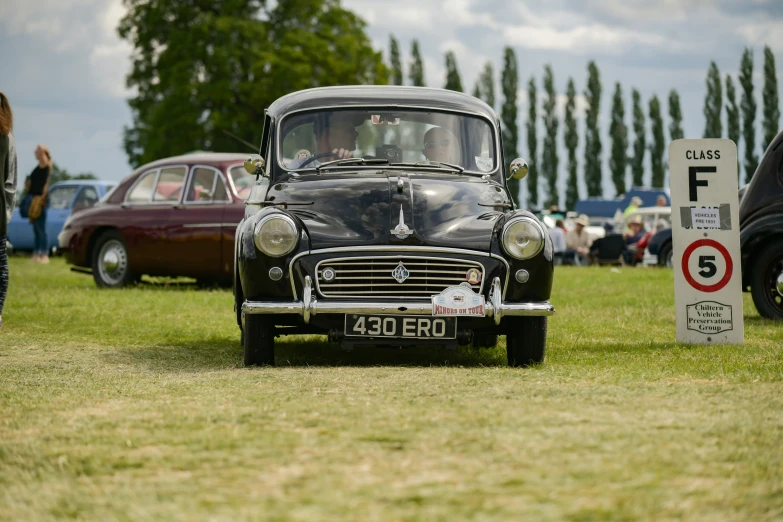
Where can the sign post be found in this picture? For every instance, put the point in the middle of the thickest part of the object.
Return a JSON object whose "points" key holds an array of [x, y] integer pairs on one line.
{"points": [[705, 241]]}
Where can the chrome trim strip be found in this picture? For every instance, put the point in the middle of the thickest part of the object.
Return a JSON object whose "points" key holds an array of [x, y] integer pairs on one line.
{"points": [[399, 248], [543, 308], [398, 285], [202, 225], [421, 108]]}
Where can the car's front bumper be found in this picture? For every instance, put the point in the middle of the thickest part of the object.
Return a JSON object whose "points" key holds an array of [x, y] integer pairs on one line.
{"points": [[308, 306]]}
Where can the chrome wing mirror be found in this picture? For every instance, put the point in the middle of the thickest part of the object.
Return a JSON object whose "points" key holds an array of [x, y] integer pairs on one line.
{"points": [[518, 169], [255, 165]]}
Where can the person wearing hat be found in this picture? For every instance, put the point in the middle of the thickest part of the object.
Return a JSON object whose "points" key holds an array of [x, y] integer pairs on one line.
{"points": [[636, 202], [635, 233], [578, 242], [335, 138]]}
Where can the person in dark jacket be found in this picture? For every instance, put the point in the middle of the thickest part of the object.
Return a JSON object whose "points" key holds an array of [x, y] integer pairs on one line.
{"points": [[37, 184], [8, 178]]}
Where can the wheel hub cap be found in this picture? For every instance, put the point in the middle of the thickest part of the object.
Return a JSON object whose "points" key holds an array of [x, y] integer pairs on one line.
{"points": [[111, 261], [779, 284]]}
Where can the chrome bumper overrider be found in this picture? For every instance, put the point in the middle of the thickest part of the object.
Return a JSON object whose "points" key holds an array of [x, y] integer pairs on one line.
{"points": [[309, 306]]}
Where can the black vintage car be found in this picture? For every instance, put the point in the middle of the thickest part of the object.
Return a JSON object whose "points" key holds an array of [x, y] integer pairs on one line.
{"points": [[381, 216], [761, 233]]}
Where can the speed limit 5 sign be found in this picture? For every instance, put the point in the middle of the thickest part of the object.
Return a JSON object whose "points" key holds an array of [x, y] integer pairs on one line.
{"points": [[705, 241]]}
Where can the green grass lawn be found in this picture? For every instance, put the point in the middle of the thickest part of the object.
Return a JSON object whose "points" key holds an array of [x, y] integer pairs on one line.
{"points": [[133, 405]]}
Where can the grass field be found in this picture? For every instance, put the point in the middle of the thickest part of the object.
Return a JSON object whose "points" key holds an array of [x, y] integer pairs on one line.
{"points": [[133, 405]]}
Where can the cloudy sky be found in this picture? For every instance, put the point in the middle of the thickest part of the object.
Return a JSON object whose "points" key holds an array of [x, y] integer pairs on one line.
{"points": [[63, 67]]}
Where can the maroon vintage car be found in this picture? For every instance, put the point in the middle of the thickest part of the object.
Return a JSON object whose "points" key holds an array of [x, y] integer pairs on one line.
{"points": [[173, 217]]}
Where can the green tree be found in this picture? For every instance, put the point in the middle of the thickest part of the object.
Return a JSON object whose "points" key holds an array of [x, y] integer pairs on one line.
{"points": [[488, 84], [571, 139], [395, 72], [200, 72], [639, 140], [477, 90], [658, 145], [713, 104], [748, 109], [508, 113], [549, 159], [675, 114], [532, 143], [771, 109], [732, 112], [453, 81], [592, 133], [60, 174], [618, 161], [416, 73]]}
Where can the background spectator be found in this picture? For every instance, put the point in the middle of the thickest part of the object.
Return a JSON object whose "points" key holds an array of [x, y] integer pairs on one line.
{"points": [[578, 242], [636, 202], [37, 184], [632, 236], [558, 235], [662, 202]]}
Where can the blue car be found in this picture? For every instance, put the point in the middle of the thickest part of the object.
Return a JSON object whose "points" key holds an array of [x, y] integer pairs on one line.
{"points": [[65, 197]]}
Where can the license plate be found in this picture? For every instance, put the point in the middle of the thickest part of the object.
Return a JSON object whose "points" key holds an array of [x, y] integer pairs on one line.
{"points": [[402, 327]]}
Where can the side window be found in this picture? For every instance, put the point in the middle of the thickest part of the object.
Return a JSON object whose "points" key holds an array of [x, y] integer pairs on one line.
{"points": [[60, 198], [170, 184], [220, 188], [87, 198], [202, 183], [142, 192], [241, 180]]}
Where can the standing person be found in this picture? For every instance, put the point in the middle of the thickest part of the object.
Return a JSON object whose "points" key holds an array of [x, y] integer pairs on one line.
{"points": [[37, 184], [8, 177]]}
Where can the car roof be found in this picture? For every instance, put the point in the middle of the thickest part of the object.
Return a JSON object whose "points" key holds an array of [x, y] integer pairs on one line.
{"points": [[370, 95], [196, 157]]}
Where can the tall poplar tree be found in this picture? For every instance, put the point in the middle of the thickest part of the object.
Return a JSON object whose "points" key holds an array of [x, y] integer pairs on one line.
{"points": [[508, 113], [477, 90], [592, 133], [713, 104], [675, 115], [732, 112], [416, 73], [748, 109], [453, 81], [658, 145], [571, 139], [395, 72], [771, 122], [549, 159], [487, 80], [532, 142], [618, 161], [639, 140]]}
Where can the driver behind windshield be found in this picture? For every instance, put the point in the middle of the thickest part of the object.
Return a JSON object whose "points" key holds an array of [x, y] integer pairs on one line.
{"points": [[334, 140], [441, 145]]}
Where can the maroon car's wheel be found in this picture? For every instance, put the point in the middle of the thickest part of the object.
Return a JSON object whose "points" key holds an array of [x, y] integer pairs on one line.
{"points": [[110, 267], [525, 340], [766, 282], [259, 340]]}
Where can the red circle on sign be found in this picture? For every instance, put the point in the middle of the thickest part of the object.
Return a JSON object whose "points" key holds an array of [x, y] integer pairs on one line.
{"points": [[720, 248]]}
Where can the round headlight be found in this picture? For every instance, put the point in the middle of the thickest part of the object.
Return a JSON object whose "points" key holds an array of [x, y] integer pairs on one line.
{"points": [[523, 238], [275, 235]]}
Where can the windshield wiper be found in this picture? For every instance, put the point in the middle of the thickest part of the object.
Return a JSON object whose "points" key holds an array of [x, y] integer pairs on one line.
{"points": [[436, 164], [348, 161]]}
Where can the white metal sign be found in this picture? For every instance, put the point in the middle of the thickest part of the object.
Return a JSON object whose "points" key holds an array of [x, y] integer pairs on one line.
{"points": [[705, 241]]}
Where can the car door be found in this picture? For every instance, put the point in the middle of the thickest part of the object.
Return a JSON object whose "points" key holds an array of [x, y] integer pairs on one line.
{"points": [[149, 205], [60, 201], [194, 226]]}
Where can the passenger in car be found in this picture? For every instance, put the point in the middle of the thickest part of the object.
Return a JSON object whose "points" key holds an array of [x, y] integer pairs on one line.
{"points": [[440, 145]]}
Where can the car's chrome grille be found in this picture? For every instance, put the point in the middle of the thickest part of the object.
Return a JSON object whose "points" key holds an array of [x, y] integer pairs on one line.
{"points": [[370, 278]]}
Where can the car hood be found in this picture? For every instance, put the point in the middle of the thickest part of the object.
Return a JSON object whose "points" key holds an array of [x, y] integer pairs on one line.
{"points": [[363, 208]]}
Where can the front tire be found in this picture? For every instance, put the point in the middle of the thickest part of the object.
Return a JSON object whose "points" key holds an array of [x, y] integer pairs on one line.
{"points": [[110, 265], [525, 340], [258, 339], [764, 287]]}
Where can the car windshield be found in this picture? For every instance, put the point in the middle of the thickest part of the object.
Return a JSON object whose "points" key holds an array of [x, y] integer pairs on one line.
{"points": [[311, 139]]}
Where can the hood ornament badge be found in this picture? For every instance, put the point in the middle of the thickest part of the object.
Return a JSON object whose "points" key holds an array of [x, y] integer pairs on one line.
{"points": [[401, 230]]}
